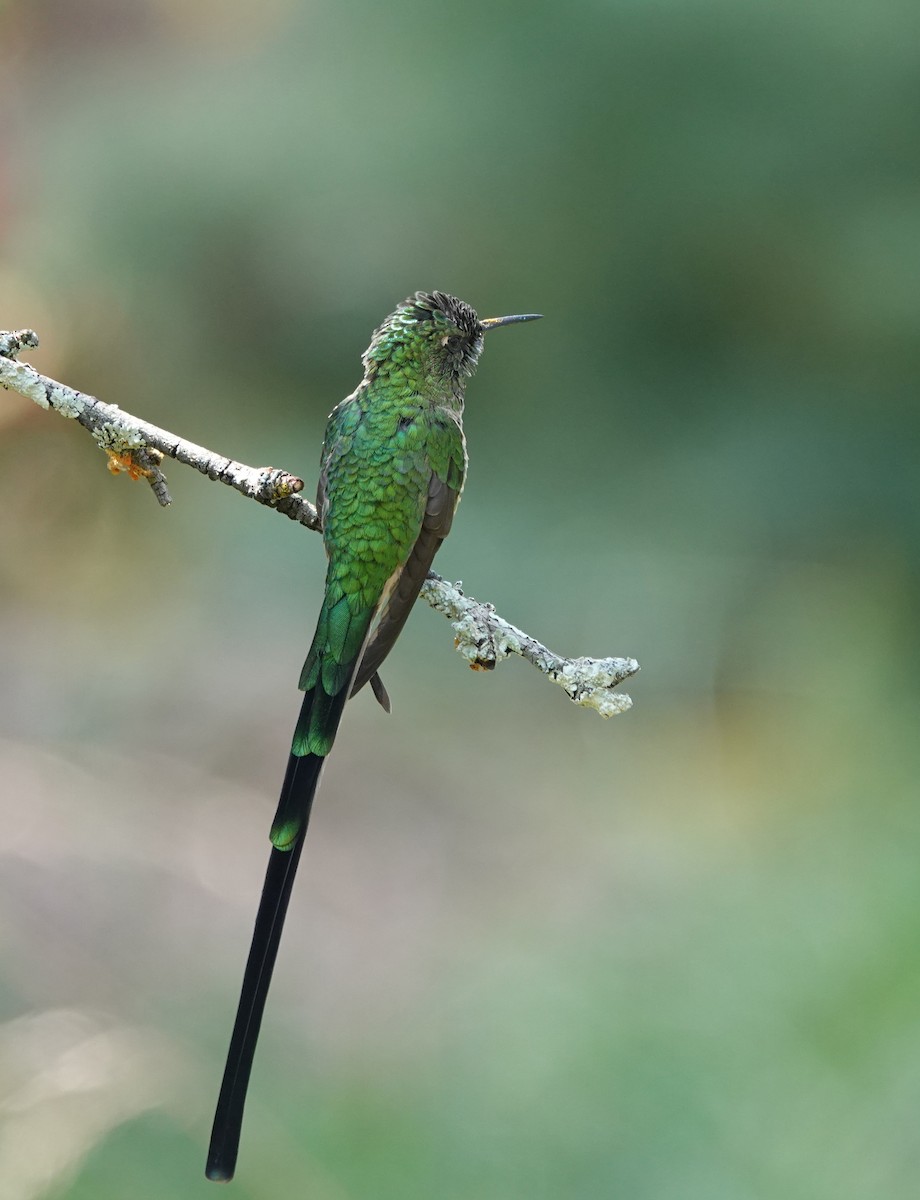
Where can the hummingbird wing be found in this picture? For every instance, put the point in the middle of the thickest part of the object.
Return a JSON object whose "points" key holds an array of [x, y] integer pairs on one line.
{"points": [[406, 585]]}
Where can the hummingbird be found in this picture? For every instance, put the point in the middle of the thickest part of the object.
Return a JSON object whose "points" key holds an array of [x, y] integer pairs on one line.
{"points": [[391, 473]]}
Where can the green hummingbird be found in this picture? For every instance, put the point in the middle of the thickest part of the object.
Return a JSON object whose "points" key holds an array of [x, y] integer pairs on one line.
{"points": [[391, 474]]}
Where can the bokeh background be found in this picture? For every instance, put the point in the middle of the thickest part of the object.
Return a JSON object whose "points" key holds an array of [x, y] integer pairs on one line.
{"points": [[673, 956]]}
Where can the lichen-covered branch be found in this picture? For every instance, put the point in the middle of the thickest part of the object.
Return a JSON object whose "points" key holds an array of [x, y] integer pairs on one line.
{"points": [[484, 639], [138, 448]]}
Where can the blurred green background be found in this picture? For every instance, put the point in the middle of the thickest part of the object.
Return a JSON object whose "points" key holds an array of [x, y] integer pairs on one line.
{"points": [[675, 956]]}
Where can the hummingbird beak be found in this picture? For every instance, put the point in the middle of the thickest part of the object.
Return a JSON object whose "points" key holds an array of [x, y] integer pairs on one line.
{"points": [[494, 322]]}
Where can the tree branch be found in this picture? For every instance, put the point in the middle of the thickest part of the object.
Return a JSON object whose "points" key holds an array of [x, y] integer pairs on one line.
{"points": [[138, 448]]}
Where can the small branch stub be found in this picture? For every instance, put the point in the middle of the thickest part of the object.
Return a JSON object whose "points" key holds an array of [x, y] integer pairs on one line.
{"points": [[137, 448], [13, 344]]}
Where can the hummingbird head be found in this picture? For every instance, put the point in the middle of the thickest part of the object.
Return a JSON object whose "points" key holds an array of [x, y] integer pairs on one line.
{"points": [[435, 335]]}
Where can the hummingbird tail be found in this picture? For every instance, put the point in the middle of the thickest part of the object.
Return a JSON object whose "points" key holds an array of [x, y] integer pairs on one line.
{"points": [[327, 685], [299, 787]]}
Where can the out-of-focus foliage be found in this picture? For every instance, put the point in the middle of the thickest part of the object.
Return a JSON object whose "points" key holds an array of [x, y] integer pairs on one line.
{"points": [[533, 955]]}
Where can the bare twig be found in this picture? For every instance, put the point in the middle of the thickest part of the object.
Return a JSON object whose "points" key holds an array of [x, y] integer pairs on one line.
{"points": [[137, 448]]}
